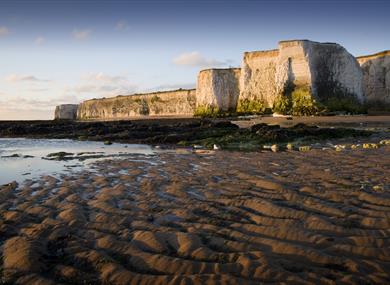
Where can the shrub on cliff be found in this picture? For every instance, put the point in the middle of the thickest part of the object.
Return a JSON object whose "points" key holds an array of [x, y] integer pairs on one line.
{"points": [[346, 103], [303, 103], [143, 107], [155, 99], [378, 106], [213, 112], [282, 105], [255, 106], [207, 112]]}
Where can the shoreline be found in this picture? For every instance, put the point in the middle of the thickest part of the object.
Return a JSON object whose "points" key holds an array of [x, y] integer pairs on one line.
{"points": [[228, 133]]}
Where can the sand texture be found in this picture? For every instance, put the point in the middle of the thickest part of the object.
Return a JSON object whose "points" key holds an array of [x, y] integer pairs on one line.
{"points": [[316, 217]]}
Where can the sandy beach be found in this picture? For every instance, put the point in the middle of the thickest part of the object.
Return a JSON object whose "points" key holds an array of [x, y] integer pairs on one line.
{"points": [[187, 142], [204, 217]]}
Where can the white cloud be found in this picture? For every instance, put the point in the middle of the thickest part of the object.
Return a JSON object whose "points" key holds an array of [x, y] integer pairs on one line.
{"points": [[3, 31], [81, 34], [39, 40], [26, 104], [39, 90], [24, 78], [102, 85], [103, 77], [195, 59], [172, 87], [122, 25]]}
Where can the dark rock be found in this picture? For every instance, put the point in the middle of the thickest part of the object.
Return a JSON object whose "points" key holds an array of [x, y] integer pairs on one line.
{"points": [[225, 124]]}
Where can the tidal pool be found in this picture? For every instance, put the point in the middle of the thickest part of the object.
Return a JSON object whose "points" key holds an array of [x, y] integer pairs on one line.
{"points": [[22, 159]]}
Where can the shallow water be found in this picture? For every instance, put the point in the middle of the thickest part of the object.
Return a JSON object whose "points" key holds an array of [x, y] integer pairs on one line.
{"points": [[26, 167]]}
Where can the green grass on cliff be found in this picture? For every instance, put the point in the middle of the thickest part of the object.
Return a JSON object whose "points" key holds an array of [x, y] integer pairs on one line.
{"points": [[213, 112], [207, 112], [255, 106], [303, 103], [282, 105]]}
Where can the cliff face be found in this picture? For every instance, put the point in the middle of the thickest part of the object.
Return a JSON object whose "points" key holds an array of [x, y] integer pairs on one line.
{"points": [[335, 73], [376, 77], [318, 72], [178, 102], [66, 112], [328, 70], [257, 81], [218, 88]]}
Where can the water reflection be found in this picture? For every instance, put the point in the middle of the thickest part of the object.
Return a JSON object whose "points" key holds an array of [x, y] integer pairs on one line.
{"points": [[22, 159]]}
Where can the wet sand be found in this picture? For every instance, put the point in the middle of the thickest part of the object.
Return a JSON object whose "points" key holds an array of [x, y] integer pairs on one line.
{"points": [[316, 217]]}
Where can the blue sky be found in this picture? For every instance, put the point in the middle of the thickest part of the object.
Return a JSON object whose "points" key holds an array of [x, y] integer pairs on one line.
{"points": [[59, 51]]}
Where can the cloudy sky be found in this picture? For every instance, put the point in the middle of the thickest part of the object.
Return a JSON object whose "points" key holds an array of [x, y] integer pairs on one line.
{"points": [[65, 51]]}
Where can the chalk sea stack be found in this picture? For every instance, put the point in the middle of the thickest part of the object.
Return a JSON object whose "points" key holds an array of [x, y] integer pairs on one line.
{"points": [[66, 112]]}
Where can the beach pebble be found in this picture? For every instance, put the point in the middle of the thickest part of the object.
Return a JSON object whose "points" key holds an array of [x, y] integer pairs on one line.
{"points": [[340, 147], [377, 188], [385, 142], [305, 148], [370, 145]]}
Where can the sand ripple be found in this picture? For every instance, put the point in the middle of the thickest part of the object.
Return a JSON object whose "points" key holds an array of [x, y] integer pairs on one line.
{"points": [[320, 217]]}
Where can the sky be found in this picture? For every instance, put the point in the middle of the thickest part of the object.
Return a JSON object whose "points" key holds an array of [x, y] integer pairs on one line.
{"points": [[66, 51]]}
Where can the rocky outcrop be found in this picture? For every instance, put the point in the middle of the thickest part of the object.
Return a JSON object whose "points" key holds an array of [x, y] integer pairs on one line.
{"points": [[66, 112], [218, 88], [326, 69], [169, 103], [376, 77]]}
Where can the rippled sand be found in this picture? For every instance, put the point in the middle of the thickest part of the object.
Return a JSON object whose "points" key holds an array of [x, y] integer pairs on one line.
{"points": [[320, 217]]}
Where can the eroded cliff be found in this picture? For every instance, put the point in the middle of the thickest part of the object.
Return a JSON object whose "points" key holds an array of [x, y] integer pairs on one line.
{"points": [[258, 81], [376, 77], [301, 77], [66, 112], [218, 88], [169, 103], [327, 70]]}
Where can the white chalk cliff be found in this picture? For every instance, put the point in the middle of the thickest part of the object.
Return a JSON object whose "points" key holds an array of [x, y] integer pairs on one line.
{"points": [[376, 77], [218, 88], [327, 70], [66, 112]]}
